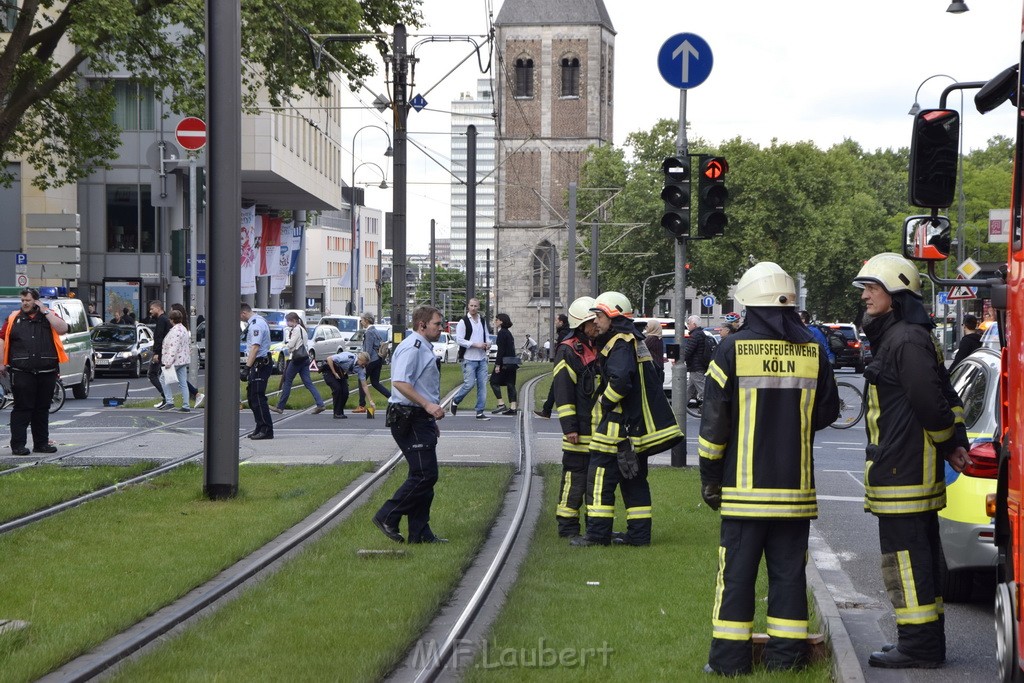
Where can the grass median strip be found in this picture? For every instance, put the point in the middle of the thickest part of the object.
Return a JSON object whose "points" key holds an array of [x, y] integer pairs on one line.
{"points": [[332, 615], [35, 488], [618, 612], [89, 573]]}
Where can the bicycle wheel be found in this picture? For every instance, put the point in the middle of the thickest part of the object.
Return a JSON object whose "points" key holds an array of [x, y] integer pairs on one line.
{"points": [[851, 406], [59, 395], [696, 409]]}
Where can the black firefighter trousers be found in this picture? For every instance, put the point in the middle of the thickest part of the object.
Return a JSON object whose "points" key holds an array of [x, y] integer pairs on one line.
{"points": [[602, 477], [783, 543], [572, 491]]}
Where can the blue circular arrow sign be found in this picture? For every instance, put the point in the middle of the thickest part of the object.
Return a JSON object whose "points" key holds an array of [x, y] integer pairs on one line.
{"points": [[685, 60], [708, 301]]}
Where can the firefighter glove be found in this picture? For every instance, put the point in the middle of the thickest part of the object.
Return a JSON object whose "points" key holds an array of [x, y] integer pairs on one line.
{"points": [[628, 464], [712, 495]]}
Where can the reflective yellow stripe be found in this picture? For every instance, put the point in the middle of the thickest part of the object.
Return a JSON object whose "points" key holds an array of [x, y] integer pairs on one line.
{"points": [[907, 578], [745, 442], [917, 615], [783, 511], [612, 395], [719, 583], [874, 410], [563, 509], [806, 449], [930, 457], [958, 415], [566, 410], [893, 500], [597, 509], [562, 366], [768, 495], [787, 628], [711, 451], [601, 511], [940, 435], [717, 374], [731, 630], [643, 512]]}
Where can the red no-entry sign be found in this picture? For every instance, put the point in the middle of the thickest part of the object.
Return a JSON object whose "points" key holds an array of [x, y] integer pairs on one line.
{"points": [[191, 133]]}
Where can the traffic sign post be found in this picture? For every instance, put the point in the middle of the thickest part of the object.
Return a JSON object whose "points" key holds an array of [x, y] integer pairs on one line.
{"points": [[685, 60], [21, 280], [707, 302], [191, 133]]}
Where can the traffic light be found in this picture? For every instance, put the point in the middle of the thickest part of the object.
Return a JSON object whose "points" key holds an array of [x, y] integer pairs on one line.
{"points": [[676, 195], [711, 197]]}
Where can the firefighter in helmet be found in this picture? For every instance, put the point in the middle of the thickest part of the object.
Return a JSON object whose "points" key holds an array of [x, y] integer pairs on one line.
{"points": [[632, 420], [575, 388], [914, 423], [769, 388]]}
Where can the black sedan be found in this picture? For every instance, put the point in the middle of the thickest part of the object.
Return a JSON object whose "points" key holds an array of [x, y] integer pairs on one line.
{"points": [[122, 348]]}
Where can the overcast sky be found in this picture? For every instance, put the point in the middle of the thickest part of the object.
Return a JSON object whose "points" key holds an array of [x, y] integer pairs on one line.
{"points": [[789, 70]]}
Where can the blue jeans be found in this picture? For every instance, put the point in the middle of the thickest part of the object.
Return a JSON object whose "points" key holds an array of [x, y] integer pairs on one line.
{"points": [[182, 372], [474, 372], [300, 368]]}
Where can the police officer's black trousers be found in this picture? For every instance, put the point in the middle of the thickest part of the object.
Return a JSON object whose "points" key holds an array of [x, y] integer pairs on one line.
{"points": [[784, 546], [339, 390], [602, 477], [414, 497], [572, 492], [910, 569], [32, 396], [256, 395]]}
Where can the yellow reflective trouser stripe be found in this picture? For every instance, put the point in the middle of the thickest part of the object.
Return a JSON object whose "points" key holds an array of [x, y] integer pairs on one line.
{"points": [[940, 435], [787, 628], [563, 509], [745, 443], [642, 512], [719, 583], [717, 374], [907, 578], [598, 510], [711, 451], [731, 630], [912, 612], [566, 410], [917, 615]]}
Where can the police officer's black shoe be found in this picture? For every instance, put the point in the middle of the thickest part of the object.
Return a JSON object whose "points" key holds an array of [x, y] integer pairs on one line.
{"points": [[389, 530], [894, 659], [45, 449], [261, 436], [21, 450], [584, 542]]}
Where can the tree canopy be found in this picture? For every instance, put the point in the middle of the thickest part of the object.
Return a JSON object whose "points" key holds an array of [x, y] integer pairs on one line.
{"points": [[65, 129], [818, 213]]}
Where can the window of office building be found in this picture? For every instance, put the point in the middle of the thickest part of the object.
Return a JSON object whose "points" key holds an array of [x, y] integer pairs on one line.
{"points": [[542, 271], [131, 220], [570, 77], [524, 77], [9, 15], [135, 106]]}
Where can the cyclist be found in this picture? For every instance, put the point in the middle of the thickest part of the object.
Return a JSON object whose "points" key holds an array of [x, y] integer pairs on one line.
{"points": [[819, 336]]}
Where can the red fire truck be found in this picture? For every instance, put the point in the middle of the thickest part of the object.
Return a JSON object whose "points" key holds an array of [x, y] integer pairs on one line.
{"points": [[933, 179]]}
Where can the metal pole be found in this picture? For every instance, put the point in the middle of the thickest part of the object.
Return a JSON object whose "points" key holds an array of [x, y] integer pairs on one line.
{"points": [[570, 265], [470, 212], [400, 68], [380, 284], [554, 270], [193, 214], [433, 263], [487, 303], [352, 236], [643, 290], [594, 291], [224, 163], [679, 389]]}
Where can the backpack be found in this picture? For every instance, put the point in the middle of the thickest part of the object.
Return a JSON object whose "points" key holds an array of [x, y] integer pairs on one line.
{"points": [[835, 338], [710, 344]]}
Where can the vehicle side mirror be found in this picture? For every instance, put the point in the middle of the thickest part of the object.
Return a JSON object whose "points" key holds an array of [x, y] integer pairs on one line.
{"points": [[926, 238], [934, 154], [318, 338], [1001, 88]]}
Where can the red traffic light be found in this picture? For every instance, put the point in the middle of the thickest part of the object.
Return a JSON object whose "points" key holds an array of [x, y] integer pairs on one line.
{"points": [[714, 168]]}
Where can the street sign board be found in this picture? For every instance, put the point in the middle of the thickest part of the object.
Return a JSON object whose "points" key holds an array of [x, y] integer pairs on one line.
{"points": [[685, 60], [191, 133], [943, 298], [20, 259], [21, 268], [21, 280], [969, 268], [418, 102], [707, 302]]}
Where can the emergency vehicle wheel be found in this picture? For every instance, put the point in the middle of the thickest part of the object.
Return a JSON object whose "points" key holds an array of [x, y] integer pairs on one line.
{"points": [[1006, 633]]}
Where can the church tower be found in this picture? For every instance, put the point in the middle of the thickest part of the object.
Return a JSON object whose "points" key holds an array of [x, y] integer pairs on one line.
{"points": [[553, 93]]}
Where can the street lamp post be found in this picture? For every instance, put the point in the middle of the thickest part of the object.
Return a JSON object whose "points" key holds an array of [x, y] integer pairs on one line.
{"points": [[643, 291], [353, 279]]}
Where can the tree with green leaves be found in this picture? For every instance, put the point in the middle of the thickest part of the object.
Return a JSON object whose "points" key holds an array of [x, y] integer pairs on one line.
{"points": [[449, 289], [65, 129]]}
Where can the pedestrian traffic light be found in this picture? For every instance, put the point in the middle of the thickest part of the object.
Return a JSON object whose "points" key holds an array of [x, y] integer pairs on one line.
{"points": [[711, 197], [676, 195]]}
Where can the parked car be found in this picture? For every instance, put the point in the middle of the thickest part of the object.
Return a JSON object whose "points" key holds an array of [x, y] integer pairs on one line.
{"points": [[77, 373], [322, 341], [122, 348], [348, 324], [865, 345], [492, 349], [844, 340], [447, 349], [967, 532]]}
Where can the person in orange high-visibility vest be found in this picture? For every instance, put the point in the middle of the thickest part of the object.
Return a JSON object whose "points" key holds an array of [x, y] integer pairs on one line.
{"points": [[32, 352]]}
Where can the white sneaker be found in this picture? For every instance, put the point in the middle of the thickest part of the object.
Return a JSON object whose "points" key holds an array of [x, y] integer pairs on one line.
{"points": [[200, 397], [159, 405]]}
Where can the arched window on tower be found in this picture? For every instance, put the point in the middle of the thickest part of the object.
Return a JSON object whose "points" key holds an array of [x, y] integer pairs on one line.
{"points": [[570, 77], [544, 277], [524, 77]]}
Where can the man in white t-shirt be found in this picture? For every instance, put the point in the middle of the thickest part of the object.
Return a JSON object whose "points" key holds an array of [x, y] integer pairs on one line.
{"points": [[471, 334]]}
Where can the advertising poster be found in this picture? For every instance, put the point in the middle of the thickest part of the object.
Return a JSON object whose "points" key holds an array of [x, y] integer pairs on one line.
{"points": [[248, 253], [119, 295]]}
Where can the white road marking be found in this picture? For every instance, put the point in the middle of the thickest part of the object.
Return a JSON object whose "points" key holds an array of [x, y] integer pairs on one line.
{"points": [[843, 499], [89, 413]]}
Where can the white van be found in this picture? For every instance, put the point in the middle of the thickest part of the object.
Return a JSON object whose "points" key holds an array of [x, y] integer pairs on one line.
{"points": [[348, 324], [78, 372]]}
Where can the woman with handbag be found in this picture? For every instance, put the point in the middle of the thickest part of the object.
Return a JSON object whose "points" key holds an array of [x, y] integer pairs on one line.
{"points": [[174, 359], [505, 365], [298, 364]]}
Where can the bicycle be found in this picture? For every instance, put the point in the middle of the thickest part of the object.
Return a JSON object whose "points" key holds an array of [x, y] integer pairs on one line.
{"points": [[7, 398], [851, 406]]}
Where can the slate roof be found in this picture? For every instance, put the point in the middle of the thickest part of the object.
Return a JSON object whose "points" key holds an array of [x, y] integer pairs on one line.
{"points": [[554, 12]]}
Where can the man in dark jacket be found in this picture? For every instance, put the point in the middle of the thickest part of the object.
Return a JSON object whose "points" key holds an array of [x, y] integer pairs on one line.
{"points": [[163, 325], [914, 423], [770, 387], [696, 357], [970, 342], [632, 420], [562, 330]]}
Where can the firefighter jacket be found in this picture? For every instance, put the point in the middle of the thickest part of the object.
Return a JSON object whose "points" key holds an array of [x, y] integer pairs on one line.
{"points": [[631, 400], [914, 420], [575, 387], [764, 398]]}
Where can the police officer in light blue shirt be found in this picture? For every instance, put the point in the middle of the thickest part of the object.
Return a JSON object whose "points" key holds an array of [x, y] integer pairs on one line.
{"points": [[413, 411], [256, 372], [339, 367]]}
